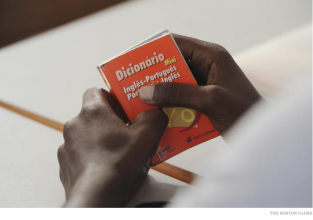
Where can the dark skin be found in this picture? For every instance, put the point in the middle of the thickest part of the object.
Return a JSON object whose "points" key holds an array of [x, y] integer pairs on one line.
{"points": [[104, 162], [224, 92]]}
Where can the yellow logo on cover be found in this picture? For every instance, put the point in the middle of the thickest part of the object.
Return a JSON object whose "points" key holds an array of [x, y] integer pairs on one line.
{"points": [[180, 117]]}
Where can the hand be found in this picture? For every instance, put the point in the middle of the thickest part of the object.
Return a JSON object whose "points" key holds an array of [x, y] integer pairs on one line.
{"points": [[104, 162], [224, 92]]}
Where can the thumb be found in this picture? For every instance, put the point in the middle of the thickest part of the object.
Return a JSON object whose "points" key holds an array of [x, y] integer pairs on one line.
{"points": [[149, 127], [200, 98]]}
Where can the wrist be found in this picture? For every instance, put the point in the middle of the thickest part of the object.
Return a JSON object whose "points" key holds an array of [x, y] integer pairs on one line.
{"points": [[97, 187]]}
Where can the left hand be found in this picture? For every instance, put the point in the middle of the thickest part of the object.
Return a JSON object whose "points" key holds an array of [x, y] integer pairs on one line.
{"points": [[104, 162]]}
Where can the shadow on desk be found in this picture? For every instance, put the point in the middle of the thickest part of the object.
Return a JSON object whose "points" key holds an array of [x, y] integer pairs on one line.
{"points": [[153, 194]]}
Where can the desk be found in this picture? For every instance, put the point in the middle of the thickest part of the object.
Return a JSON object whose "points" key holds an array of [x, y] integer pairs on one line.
{"points": [[48, 74]]}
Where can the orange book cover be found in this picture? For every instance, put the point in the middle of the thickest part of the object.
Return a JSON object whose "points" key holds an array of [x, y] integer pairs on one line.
{"points": [[157, 60]]}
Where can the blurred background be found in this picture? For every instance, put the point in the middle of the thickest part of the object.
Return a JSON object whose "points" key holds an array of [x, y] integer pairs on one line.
{"points": [[20, 19], [49, 50]]}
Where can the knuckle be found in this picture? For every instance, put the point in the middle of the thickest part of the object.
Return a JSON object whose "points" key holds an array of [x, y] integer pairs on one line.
{"points": [[91, 110], [60, 152], [218, 48], [220, 51], [95, 103], [214, 95], [92, 90], [61, 175], [69, 127]]}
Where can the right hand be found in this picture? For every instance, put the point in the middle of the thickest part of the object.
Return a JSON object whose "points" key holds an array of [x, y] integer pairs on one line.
{"points": [[224, 92], [104, 162]]}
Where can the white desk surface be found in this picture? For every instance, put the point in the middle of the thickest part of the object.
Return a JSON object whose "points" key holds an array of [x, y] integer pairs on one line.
{"points": [[48, 74]]}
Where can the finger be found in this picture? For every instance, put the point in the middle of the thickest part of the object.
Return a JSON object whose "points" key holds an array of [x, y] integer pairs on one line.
{"points": [[149, 127], [202, 57], [61, 159], [201, 98], [117, 108], [100, 104], [60, 154]]}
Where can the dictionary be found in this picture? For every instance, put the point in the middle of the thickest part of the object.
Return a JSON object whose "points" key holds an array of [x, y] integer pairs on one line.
{"points": [[157, 59]]}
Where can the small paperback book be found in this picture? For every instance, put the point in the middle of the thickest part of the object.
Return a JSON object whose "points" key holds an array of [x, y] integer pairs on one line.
{"points": [[157, 60]]}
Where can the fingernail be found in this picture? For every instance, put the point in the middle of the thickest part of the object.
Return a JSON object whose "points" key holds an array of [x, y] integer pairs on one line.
{"points": [[146, 93]]}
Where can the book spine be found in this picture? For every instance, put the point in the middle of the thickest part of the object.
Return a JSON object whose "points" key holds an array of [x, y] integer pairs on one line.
{"points": [[104, 77]]}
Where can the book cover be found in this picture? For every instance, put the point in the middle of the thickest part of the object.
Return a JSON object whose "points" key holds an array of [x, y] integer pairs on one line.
{"points": [[157, 60]]}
